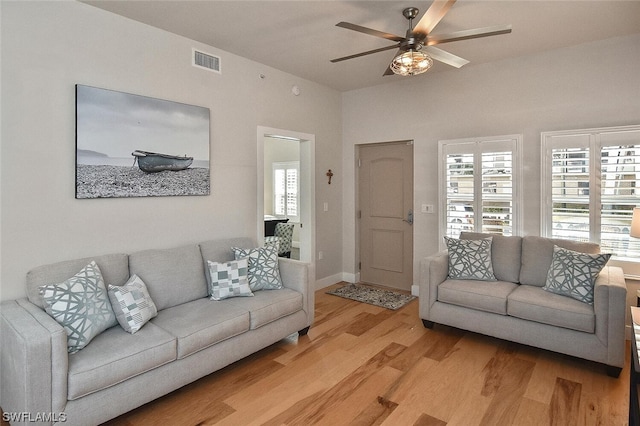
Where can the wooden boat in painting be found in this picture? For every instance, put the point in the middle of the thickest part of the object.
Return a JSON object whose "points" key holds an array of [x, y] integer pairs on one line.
{"points": [[152, 162]]}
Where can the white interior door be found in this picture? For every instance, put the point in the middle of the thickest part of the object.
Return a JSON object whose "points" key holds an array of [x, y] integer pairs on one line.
{"points": [[385, 195]]}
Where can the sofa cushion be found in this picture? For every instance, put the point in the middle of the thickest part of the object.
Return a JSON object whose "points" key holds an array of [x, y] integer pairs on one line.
{"points": [[489, 296], [229, 279], [505, 254], [534, 304], [202, 323], [574, 274], [115, 356], [268, 306], [470, 259], [173, 276], [81, 305], [537, 253], [132, 304], [114, 269]]}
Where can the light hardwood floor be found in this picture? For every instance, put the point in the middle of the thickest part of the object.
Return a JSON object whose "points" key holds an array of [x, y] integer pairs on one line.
{"points": [[365, 365]]}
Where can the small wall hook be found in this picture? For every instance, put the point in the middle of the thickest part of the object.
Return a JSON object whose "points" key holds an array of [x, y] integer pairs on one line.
{"points": [[329, 174]]}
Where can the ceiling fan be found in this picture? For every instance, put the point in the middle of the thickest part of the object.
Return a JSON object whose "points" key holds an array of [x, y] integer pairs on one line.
{"points": [[417, 50]]}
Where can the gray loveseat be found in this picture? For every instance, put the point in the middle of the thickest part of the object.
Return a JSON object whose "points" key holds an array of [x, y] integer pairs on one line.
{"points": [[116, 372], [516, 308]]}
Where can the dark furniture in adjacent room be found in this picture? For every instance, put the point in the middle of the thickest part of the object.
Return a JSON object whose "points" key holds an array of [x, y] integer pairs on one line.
{"points": [[270, 223]]}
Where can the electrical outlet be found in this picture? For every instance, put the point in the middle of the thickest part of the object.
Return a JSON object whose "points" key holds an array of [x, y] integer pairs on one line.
{"points": [[326, 206], [320, 255]]}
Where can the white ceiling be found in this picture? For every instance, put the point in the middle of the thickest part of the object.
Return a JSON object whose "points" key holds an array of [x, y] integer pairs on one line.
{"points": [[300, 37]]}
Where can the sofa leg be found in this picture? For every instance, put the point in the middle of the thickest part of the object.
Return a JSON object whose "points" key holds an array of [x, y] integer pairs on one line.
{"points": [[428, 324], [613, 371], [304, 331]]}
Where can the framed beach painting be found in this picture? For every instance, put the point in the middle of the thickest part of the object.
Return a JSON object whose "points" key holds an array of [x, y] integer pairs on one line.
{"points": [[136, 146]]}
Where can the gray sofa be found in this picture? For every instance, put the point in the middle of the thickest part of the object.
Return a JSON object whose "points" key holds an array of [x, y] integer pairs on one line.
{"points": [[116, 372], [516, 308]]}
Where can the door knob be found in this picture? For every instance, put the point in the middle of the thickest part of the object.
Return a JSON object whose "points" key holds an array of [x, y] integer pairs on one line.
{"points": [[409, 218]]}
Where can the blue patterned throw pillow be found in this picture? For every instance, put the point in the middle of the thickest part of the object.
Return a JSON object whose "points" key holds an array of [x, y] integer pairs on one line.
{"points": [[81, 305], [264, 273], [470, 259], [229, 279], [574, 274], [132, 304]]}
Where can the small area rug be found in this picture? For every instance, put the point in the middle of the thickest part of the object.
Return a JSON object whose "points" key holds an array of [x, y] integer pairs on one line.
{"points": [[374, 296]]}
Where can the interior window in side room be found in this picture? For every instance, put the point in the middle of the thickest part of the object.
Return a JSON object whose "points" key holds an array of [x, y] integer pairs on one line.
{"points": [[286, 189]]}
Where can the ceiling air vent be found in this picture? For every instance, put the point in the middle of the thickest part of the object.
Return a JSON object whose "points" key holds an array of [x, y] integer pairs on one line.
{"points": [[206, 61]]}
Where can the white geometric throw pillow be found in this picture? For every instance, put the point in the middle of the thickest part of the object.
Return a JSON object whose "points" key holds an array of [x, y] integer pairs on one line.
{"points": [[132, 304], [81, 305], [264, 273], [229, 279], [470, 259], [574, 274]]}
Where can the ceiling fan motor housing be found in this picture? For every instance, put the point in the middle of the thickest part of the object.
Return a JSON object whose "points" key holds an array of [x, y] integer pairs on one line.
{"points": [[413, 41]]}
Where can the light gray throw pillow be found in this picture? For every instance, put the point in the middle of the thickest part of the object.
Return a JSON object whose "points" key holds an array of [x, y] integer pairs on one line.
{"points": [[470, 259], [132, 304], [81, 305], [574, 274], [264, 272], [229, 279]]}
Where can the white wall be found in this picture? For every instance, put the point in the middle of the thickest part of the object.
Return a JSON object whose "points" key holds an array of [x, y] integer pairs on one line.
{"points": [[591, 85], [47, 48]]}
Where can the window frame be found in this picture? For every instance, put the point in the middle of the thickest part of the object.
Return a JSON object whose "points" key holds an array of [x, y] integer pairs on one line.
{"points": [[477, 146], [594, 145]]}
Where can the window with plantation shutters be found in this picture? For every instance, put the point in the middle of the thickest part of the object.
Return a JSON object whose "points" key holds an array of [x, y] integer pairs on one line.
{"points": [[590, 178], [478, 178], [286, 189]]}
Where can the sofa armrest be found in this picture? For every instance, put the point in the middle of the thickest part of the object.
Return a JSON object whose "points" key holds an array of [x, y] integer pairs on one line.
{"points": [[299, 276], [610, 305], [33, 360], [433, 271]]}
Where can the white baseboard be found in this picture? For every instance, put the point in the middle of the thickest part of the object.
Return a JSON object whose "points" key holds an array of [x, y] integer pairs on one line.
{"points": [[327, 281], [351, 278], [336, 278], [415, 290]]}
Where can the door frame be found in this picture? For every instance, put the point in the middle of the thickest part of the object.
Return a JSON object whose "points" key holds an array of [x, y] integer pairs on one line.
{"points": [[357, 148], [307, 188]]}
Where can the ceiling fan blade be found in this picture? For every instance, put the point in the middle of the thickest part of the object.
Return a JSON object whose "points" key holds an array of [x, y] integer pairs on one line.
{"points": [[433, 15], [369, 52], [468, 34], [369, 31], [445, 57]]}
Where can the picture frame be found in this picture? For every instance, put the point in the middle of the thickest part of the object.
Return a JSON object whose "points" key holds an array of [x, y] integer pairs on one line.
{"points": [[130, 145]]}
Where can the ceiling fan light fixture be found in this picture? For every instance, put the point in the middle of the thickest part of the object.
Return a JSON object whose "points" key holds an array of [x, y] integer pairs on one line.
{"points": [[411, 62]]}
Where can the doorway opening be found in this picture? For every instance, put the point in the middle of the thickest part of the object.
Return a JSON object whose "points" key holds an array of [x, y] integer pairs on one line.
{"points": [[286, 187]]}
